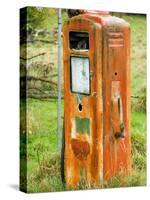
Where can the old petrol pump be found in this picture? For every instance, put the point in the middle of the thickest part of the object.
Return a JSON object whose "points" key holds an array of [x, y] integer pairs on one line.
{"points": [[96, 49]]}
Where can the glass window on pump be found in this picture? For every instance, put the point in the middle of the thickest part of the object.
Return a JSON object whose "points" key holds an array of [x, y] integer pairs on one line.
{"points": [[80, 79]]}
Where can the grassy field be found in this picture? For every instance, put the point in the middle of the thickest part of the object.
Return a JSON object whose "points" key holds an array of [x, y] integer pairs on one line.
{"points": [[43, 168]]}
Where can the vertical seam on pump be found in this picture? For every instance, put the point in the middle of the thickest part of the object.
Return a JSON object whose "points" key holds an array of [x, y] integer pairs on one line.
{"points": [[102, 63]]}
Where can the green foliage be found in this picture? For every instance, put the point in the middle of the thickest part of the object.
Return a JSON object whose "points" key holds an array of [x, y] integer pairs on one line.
{"points": [[47, 174], [41, 18], [138, 139], [139, 102], [138, 60], [37, 17]]}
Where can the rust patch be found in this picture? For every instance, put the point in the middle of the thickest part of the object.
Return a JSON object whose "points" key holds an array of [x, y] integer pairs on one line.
{"points": [[80, 148]]}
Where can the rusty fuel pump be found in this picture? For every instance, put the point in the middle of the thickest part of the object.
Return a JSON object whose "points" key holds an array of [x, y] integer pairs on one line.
{"points": [[96, 50]]}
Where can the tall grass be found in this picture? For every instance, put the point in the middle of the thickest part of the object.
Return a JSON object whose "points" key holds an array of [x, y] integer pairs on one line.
{"points": [[43, 169]]}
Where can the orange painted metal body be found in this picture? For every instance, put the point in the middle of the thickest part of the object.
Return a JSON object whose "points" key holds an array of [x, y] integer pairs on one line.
{"points": [[103, 148]]}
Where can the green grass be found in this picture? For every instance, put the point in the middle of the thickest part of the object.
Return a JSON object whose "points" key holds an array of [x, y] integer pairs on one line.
{"points": [[43, 167], [47, 121], [42, 146], [138, 60], [138, 52]]}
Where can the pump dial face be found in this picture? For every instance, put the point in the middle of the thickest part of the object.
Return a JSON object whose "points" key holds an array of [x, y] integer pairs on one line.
{"points": [[80, 81]]}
